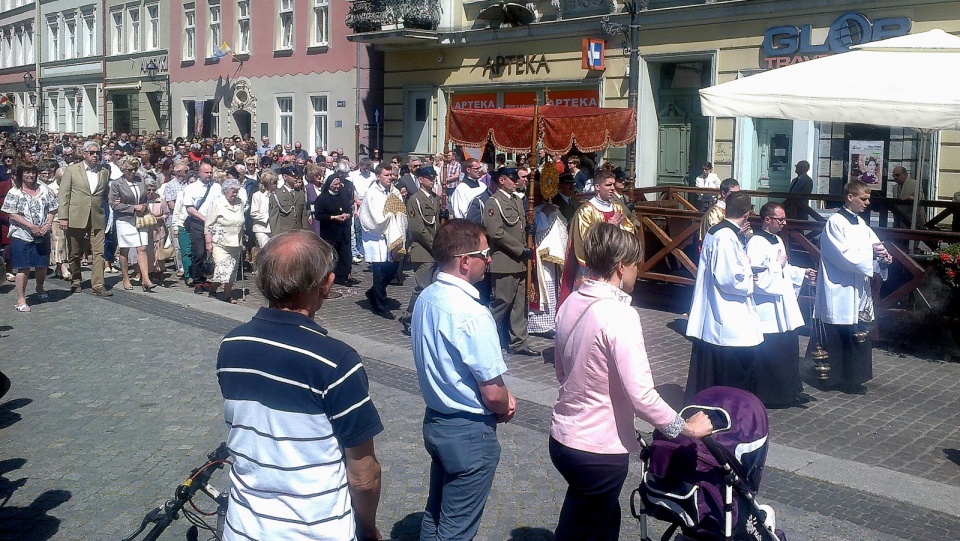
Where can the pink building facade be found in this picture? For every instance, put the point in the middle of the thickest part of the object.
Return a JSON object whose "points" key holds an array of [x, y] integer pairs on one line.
{"points": [[281, 69]]}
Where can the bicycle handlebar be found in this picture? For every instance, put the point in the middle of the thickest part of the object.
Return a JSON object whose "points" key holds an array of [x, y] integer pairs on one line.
{"points": [[164, 515]]}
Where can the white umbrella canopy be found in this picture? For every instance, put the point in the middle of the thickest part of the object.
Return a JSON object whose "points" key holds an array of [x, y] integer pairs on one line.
{"points": [[918, 87]]}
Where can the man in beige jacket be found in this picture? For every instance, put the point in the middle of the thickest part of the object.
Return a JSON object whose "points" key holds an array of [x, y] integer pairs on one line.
{"points": [[82, 189]]}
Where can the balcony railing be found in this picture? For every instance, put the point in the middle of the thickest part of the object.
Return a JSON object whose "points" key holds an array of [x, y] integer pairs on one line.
{"points": [[373, 15]]}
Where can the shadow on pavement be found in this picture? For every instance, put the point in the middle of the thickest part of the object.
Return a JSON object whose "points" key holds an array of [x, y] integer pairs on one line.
{"points": [[7, 415], [408, 529], [7, 486], [953, 455], [672, 394], [33, 522], [530, 534]]}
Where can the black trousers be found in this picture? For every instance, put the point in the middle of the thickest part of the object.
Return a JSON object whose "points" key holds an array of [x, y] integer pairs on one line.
{"points": [[591, 507], [198, 249], [383, 274]]}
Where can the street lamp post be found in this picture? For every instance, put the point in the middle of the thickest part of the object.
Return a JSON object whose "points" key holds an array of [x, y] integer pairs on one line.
{"points": [[152, 69], [632, 50], [33, 94]]}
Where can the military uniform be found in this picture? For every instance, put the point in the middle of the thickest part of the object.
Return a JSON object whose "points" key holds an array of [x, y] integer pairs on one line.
{"points": [[423, 209], [504, 220]]}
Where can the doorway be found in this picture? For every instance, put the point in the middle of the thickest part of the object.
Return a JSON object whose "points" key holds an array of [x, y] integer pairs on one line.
{"points": [[243, 121], [684, 133], [416, 121]]}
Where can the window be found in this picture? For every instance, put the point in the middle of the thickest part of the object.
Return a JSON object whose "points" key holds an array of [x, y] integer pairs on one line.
{"points": [[321, 23], [285, 120], [117, 17], [89, 33], [4, 47], [214, 29], [319, 104], [28, 57], [243, 26], [17, 54], [285, 40], [53, 112], [133, 15], [70, 113], [153, 27], [70, 36], [53, 39], [189, 31]]}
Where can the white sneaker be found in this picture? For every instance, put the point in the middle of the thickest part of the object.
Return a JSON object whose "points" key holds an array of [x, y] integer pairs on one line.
{"points": [[11, 277], [358, 259]]}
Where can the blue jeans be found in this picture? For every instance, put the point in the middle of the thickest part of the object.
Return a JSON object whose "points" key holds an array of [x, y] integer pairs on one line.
{"points": [[464, 453]]}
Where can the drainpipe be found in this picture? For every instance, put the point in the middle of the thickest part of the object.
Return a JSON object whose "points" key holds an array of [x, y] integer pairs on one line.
{"points": [[359, 104], [634, 81], [36, 62], [103, 60]]}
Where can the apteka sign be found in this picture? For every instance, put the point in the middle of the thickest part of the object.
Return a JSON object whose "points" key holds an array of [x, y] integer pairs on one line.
{"points": [[785, 45]]}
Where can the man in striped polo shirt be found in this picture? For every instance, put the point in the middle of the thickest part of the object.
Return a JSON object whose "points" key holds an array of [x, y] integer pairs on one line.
{"points": [[297, 404]]}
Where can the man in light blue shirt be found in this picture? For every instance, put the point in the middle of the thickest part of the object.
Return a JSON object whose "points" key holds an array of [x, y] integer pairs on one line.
{"points": [[460, 366]]}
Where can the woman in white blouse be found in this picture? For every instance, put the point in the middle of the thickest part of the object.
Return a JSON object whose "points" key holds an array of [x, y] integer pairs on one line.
{"points": [[223, 231], [31, 208]]}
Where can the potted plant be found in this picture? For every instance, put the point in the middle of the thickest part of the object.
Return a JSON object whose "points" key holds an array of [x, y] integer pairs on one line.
{"points": [[363, 17], [421, 14]]}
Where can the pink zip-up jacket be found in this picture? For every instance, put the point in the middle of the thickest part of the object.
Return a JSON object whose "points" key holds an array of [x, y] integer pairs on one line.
{"points": [[604, 374]]}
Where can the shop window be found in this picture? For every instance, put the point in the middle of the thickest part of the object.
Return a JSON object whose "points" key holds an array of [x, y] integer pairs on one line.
{"points": [[125, 112]]}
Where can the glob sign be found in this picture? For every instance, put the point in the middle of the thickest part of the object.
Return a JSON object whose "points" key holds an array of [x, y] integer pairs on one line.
{"points": [[785, 45]]}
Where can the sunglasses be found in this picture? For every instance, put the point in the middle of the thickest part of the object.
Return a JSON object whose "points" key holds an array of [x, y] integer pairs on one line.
{"points": [[476, 253], [94, 152]]}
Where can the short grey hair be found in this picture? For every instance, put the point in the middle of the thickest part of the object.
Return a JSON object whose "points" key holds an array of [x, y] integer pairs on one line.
{"points": [[89, 145], [150, 182], [230, 184], [291, 265]]}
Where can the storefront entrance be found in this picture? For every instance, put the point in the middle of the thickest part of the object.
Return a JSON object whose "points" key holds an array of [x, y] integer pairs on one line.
{"points": [[683, 138]]}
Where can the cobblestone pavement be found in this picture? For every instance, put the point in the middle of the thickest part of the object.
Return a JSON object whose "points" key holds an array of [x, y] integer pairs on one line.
{"points": [[115, 401]]}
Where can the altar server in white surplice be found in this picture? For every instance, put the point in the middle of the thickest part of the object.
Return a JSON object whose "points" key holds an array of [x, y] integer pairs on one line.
{"points": [[851, 254], [723, 321], [776, 372]]}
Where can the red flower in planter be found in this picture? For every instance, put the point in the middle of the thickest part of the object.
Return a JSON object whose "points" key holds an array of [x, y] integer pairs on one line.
{"points": [[951, 274], [945, 257]]}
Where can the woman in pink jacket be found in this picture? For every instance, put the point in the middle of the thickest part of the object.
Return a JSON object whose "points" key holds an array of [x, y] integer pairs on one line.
{"points": [[605, 381]]}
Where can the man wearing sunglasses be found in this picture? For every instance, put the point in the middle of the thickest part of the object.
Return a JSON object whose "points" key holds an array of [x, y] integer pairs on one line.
{"points": [[82, 189], [460, 369]]}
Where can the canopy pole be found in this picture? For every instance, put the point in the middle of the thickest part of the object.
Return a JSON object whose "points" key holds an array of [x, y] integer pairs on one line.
{"points": [[531, 186], [924, 140], [443, 165]]}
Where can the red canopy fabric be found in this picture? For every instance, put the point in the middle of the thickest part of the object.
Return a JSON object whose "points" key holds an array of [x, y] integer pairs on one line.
{"points": [[590, 128]]}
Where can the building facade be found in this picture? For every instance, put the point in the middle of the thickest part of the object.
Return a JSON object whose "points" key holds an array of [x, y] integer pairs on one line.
{"points": [[71, 66], [465, 61], [18, 95], [280, 69], [137, 66]]}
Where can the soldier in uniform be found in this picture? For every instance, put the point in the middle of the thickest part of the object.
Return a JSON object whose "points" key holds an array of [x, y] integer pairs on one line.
{"points": [[288, 209], [423, 208], [504, 219]]}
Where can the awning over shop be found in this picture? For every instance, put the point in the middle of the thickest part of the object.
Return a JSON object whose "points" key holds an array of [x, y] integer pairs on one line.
{"points": [[909, 81], [591, 128]]}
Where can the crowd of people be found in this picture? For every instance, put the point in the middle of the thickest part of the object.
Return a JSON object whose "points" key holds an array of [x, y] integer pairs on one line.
{"points": [[302, 222]]}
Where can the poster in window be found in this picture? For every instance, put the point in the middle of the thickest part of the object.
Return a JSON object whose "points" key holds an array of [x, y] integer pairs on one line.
{"points": [[866, 163]]}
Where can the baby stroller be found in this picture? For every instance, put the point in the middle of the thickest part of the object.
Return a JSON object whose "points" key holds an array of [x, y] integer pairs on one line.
{"points": [[707, 488]]}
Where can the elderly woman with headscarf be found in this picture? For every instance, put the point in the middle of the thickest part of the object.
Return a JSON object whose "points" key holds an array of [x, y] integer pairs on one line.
{"points": [[332, 215], [128, 199], [158, 234], [223, 231]]}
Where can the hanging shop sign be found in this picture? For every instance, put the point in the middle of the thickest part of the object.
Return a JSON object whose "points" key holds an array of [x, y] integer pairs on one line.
{"points": [[785, 45], [516, 64], [474, 101]]}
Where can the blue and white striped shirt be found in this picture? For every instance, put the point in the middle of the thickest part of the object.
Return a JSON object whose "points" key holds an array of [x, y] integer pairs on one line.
{"points": [[293, 399]]}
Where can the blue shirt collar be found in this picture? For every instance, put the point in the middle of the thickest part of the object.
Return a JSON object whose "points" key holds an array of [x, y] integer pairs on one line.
{"points": [[459, 283]]}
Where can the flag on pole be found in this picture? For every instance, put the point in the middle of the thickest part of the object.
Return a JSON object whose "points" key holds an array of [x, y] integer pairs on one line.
{"points": [[593, 54], [221, 51]]}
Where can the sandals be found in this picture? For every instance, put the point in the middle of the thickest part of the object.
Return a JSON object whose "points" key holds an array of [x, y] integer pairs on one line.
{"points": [[22, 307]]}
